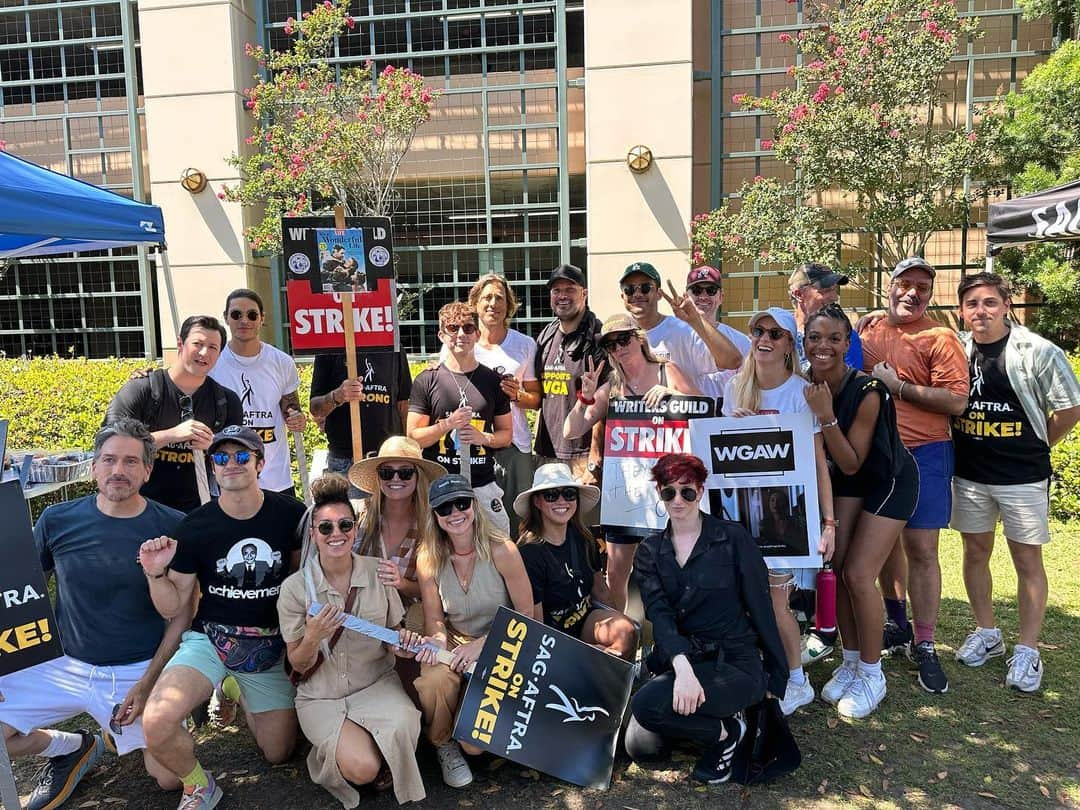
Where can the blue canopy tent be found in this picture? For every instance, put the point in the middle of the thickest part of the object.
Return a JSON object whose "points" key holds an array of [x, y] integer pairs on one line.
{"points": [[45, 213]]}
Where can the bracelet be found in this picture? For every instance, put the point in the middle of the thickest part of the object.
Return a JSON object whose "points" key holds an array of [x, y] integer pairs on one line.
{"points": [[829, 522], [581, 398], [900, 390], [157, 576], [333, 397], [833, 423]]}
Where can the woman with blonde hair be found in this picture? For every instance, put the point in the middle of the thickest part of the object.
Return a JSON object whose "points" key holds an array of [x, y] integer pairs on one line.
{"points": [[467, 572], [349, 700]]}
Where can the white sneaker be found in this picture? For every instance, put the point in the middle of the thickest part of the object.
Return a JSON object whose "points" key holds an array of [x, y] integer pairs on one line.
{"points": [[842, 677], [862, 697], [797, 695], [977, 648], [1025, 670], [814, 649], [455, 770]]}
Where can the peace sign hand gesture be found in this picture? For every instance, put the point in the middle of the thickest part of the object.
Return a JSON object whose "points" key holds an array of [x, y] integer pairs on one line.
{"points": [[681, 305], [590, 379]]}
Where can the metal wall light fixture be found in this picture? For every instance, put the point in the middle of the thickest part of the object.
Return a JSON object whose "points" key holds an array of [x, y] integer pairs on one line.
{"points": [[639, 159], [194, 180]]}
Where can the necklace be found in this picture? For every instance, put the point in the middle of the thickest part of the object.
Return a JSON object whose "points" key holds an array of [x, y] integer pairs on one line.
{"points": [[468, 553]]}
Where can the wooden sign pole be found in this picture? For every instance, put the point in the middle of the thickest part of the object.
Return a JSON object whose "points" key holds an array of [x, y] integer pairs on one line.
{"points": [[349, 324]]}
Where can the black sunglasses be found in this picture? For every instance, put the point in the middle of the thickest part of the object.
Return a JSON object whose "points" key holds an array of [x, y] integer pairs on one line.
{"points": [[221, 457], [114, 720], [326, 527], [667, 494], [460, 504], [566, 493], [704, 289], [611, 341], [388, 473], [774, 334], [454, 328], [187, 409], [645, 288], [235, 315]]}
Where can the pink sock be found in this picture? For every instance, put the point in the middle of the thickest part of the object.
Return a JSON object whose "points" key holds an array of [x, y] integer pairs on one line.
{"points": [[923, 632]]}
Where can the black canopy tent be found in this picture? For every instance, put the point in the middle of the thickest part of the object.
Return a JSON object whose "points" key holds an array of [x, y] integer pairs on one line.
{"points": [[1052, 215]]}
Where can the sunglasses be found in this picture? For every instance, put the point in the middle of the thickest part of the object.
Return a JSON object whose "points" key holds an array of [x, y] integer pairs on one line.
{"points": [[704, 289], [568, 494], [114, 720], [774, 334], [235, 315], [644, 289], [454, 328], [460, 504], [923, 288], [187, 408], [221, 457], [667, 494], [388, 473], [326, 527], [609, 343]]}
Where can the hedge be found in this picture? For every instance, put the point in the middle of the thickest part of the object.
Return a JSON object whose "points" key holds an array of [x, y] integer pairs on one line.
{"points": [[58, 404]]}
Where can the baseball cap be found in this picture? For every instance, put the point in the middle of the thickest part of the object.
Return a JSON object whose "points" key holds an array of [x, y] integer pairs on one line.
{"points": [[910, 263], [237, 433], [641, 267], [783, 317], [568, 272], [816, 274], [447, 488], [703, 275], [618, 323]]}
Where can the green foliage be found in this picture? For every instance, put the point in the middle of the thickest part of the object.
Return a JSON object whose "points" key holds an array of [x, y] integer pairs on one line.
{"points": [[1064, 15], [1065, 461]]}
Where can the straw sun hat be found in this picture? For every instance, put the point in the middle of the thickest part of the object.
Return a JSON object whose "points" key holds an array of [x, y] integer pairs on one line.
{"points": [[556, 476], [364, 474]]}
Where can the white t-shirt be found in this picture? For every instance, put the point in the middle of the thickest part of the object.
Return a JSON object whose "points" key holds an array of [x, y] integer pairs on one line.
{"points": [[515, 355], [673, 340], [260, 382], [785, 398], [741, 341]]}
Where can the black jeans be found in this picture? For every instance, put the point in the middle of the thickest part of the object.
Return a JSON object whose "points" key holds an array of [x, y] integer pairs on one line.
{"points": [[730, 685]]}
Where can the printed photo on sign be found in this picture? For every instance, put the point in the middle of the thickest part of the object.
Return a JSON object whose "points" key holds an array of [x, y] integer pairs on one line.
{"points": [[342, 262], [763, 474]]}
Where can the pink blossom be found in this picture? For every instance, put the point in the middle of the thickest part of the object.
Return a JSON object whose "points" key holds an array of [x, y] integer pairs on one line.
{"points": [[362, 115], [327, 4], [822, 93], [425, 95], [738, 98], [833, 39], [736, 238], [406, 92], [221, 195], [711, 234], [972, 137], [932, 27], [387, 71], [839, 51], [817, 64], [290, 25], [379, 130], [303, 85], [300, 114], [879, 40], [785, 37], [249, 104], [864, 52], [350, 22], [766, 143], [799, 112], [925, 14], [698, 257], [838, 90], [758, 178], [788, 129], [894, 133], [790, 70], [864, 35], [250, 139]]}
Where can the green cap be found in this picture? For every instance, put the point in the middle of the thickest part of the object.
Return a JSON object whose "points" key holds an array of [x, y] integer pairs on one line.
{"points": [[641, 267]]}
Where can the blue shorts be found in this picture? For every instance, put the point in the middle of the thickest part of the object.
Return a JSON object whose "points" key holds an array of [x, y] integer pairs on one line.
{"points": [[934, 507]]}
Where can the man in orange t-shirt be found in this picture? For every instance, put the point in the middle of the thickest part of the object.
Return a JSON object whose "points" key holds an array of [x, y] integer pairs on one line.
{"points": [[924, 367]]}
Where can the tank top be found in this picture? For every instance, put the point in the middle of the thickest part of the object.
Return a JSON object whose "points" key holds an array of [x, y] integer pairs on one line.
{"points": [[471, 612], [887, 454]]}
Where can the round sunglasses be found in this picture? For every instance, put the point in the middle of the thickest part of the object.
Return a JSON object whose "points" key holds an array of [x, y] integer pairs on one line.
{"points": [[667, 494], [388, 473], [221, 457], [326, 527], [460, 504], [252, 315]]}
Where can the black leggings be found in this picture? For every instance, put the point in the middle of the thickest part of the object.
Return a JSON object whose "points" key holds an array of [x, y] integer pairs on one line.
{"points": [[730, 686]]}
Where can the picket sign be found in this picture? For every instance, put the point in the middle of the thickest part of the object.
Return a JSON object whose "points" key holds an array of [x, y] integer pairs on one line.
{"points": [[349, 324]]}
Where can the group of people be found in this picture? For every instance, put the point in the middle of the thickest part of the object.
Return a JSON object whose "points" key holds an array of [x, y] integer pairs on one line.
{"points": [[240, 592]]}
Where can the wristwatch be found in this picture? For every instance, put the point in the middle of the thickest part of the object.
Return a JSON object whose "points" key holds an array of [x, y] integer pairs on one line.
{"points": [[593, 467]]}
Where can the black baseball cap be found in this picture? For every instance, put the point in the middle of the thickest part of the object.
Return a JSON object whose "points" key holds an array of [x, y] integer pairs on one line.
{"points": [[568, 272], [817, 275], [244, 436], [447, 488], [910, 263]]}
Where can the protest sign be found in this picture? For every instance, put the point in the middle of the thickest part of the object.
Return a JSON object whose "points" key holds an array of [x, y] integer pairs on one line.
{"points": [[545, 700], [28, 634], [323, 265], [763, 474], [635, 436]]}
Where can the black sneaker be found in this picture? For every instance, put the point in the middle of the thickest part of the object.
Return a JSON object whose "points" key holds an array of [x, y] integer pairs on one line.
{"points": [[59, 776], [714, 767], [894, 640], [932, 677]]}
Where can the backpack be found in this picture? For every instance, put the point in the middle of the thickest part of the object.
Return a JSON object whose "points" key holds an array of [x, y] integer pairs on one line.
{"points": [[157, 394]]}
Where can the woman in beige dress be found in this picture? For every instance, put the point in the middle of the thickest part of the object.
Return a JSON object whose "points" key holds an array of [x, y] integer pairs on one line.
{"points": [[467, 572], [352, 705]]}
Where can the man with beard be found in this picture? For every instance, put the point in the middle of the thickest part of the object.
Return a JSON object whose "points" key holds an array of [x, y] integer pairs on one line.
{"points": [[115, 642]]}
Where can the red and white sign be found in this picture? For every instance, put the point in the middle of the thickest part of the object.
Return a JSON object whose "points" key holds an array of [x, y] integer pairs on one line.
{"points": [[316, 320]]}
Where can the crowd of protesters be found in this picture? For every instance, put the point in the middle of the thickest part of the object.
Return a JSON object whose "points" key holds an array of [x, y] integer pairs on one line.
{"points": [[461, 511]]}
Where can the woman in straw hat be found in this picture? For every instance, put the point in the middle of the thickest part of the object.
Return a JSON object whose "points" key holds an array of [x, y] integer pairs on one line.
{"points": [[563, 562], [349, 700]]}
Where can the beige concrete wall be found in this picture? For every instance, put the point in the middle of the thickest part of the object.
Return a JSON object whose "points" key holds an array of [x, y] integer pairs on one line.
{"points": [[194, 71], [638, 90]]}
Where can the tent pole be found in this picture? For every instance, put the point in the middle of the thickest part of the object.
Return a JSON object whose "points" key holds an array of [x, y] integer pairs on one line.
{"points": [[171, 293], [989, 259], [146, 302]]}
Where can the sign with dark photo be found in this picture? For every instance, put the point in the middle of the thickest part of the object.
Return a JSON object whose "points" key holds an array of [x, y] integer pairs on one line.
{"points": [[763, 474], [28, 634], [545, 700], [323, 264], [635, 436]]}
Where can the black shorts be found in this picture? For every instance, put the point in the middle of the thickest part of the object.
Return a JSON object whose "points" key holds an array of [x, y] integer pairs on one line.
{"points": [[620, 538], [897, 497]]}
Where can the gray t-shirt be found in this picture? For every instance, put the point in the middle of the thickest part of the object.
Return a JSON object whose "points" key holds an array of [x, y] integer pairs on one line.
{"points": [[103, 605]]}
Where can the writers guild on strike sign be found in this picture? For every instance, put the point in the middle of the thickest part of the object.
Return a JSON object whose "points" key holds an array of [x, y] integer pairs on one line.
{"points": [[635, 436], [27, 626], [545, 700], [763, 474]]}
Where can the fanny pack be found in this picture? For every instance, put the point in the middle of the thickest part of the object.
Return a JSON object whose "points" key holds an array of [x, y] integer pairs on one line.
{"points": [[246, 649]]}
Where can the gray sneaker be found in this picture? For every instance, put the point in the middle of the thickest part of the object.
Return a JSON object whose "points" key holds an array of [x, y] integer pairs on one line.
{"points": [[977, 649], [59, 777], [1025, 670]]}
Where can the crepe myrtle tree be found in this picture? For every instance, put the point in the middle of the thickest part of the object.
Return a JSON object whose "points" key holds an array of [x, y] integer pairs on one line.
{"points": [[323, 132], [865, 122]]}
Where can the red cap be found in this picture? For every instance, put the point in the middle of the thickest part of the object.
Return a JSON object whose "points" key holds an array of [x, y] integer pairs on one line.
{"points": [[703, 274]]}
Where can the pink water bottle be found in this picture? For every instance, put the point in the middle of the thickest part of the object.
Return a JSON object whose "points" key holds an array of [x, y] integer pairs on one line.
{"points": [[825, 618]]}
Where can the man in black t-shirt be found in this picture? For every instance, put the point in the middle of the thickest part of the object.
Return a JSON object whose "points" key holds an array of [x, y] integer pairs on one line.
{"points": [[235, 630], [460, 403], [183, 408], [382, 388], [1024, 399]]}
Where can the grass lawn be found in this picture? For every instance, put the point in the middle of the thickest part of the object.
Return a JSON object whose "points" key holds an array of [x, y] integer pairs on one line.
{"points": [[979, 745]]}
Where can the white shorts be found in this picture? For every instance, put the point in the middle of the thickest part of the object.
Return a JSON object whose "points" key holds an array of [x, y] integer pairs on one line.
{"points": [[58, 690], [1024, 509], [489, 499]]}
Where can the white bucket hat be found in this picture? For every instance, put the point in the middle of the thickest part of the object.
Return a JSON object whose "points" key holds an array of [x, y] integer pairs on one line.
{"points": [[556, 476]]}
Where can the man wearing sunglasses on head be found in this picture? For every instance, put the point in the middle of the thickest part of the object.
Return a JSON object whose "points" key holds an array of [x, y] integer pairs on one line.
{"points": [[812, 287], [237, 550], [266, 381], [183, 407]]}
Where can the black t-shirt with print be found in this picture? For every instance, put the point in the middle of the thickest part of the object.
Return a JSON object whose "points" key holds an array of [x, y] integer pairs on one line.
{"points": [[562, 579], [172, 479], [994, 440], [387, 382], [438, 392], [240, 564]]}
